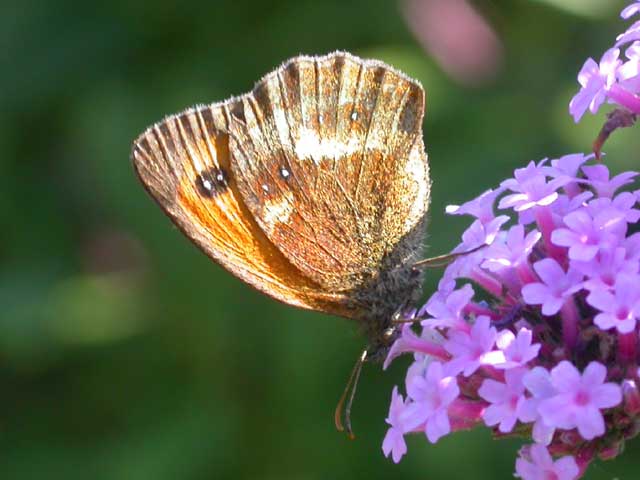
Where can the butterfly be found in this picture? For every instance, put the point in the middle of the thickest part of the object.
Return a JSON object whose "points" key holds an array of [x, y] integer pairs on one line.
{"points": [[313, 187]]}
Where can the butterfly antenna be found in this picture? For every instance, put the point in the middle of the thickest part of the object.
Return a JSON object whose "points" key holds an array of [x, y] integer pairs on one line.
{"points": [[444, 260], [348, 395]]}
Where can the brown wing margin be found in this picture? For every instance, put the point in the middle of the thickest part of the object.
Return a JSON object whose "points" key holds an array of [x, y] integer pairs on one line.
{"points": [[174, 159]]}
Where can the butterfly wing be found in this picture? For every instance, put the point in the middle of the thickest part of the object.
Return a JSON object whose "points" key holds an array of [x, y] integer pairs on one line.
{"points": [[184, 163], [328, 156]]}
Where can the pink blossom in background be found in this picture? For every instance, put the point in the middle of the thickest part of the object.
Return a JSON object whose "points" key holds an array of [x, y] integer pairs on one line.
{"points": [[458, 37]]}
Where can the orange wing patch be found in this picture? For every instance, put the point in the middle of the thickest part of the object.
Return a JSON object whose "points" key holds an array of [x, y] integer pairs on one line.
{"points": [[184, 163]]}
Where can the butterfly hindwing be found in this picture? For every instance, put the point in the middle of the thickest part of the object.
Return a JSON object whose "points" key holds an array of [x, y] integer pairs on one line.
{"points": [[328, 156]]}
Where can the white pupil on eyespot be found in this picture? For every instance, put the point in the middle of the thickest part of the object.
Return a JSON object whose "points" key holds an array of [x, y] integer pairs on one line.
{"points": [[354, 116], [265, 188], [220, 177], [284, 172], [207, 184]]}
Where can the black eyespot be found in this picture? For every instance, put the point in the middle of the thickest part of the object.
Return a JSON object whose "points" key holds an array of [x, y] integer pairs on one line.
{"points": [[212, 182]]}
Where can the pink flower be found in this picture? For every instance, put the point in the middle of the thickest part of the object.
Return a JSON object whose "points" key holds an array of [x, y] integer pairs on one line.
{"points": [[431, 396], [595, 79], [505, 398], [619, 309], [598, 178], [586, 234], [565, 204], [631, 34], [535, 463], [629, 72], [579, 399], [429, 343], [568, 165], [480, 207], [603, 269], [479, 234], [531, 188], [630, 10], [554, 292], [447, 312], [556, 286], [394, 443], [472, 349], [513, 251], [517, 350], [622, 205], [538, 383]]}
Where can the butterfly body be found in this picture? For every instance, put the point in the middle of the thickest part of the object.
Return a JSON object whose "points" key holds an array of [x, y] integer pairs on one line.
{"points": [[313, 188]]}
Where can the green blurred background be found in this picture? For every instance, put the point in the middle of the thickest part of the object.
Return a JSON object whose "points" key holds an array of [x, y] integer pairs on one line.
{"points": [[124, 352]]}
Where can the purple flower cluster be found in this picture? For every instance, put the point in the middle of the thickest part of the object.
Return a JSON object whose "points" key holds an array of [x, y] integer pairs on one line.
{"points": [[534, 327], [616, 78]]}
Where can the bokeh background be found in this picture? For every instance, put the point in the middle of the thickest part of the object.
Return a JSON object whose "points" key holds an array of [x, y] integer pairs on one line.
{"points": [[124, 352]]}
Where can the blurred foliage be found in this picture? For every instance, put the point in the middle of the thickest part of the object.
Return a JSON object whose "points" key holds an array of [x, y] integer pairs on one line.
{"points": [[124, 352]]}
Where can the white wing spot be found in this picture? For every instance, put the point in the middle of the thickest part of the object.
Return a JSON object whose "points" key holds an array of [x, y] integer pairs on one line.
{"points": [[415, 170], [310, 146], [277, 211]]}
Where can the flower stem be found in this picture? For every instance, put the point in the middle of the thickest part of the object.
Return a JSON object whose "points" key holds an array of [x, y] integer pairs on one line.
{"points": [[525, 273], [486, 281], [544, 219], [465, 414], [421, 345], [569, 315], [627, 347], [572, 189], [476, 309]]}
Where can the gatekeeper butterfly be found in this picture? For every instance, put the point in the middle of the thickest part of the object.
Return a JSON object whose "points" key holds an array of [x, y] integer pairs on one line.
{"points": [[313, 188]]}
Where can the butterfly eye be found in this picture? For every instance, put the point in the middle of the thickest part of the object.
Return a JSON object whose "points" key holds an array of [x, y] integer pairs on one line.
{"points": [[389, 333]]}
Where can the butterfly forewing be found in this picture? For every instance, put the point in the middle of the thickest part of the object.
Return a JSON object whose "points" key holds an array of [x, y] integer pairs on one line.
{"points": [[184, 163]]}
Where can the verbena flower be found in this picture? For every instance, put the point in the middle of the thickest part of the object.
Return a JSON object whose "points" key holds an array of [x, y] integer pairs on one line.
{"points": [[534, 328], [616, 77], [430, 396], [394, 443], [535, 463], [535, 333]]}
